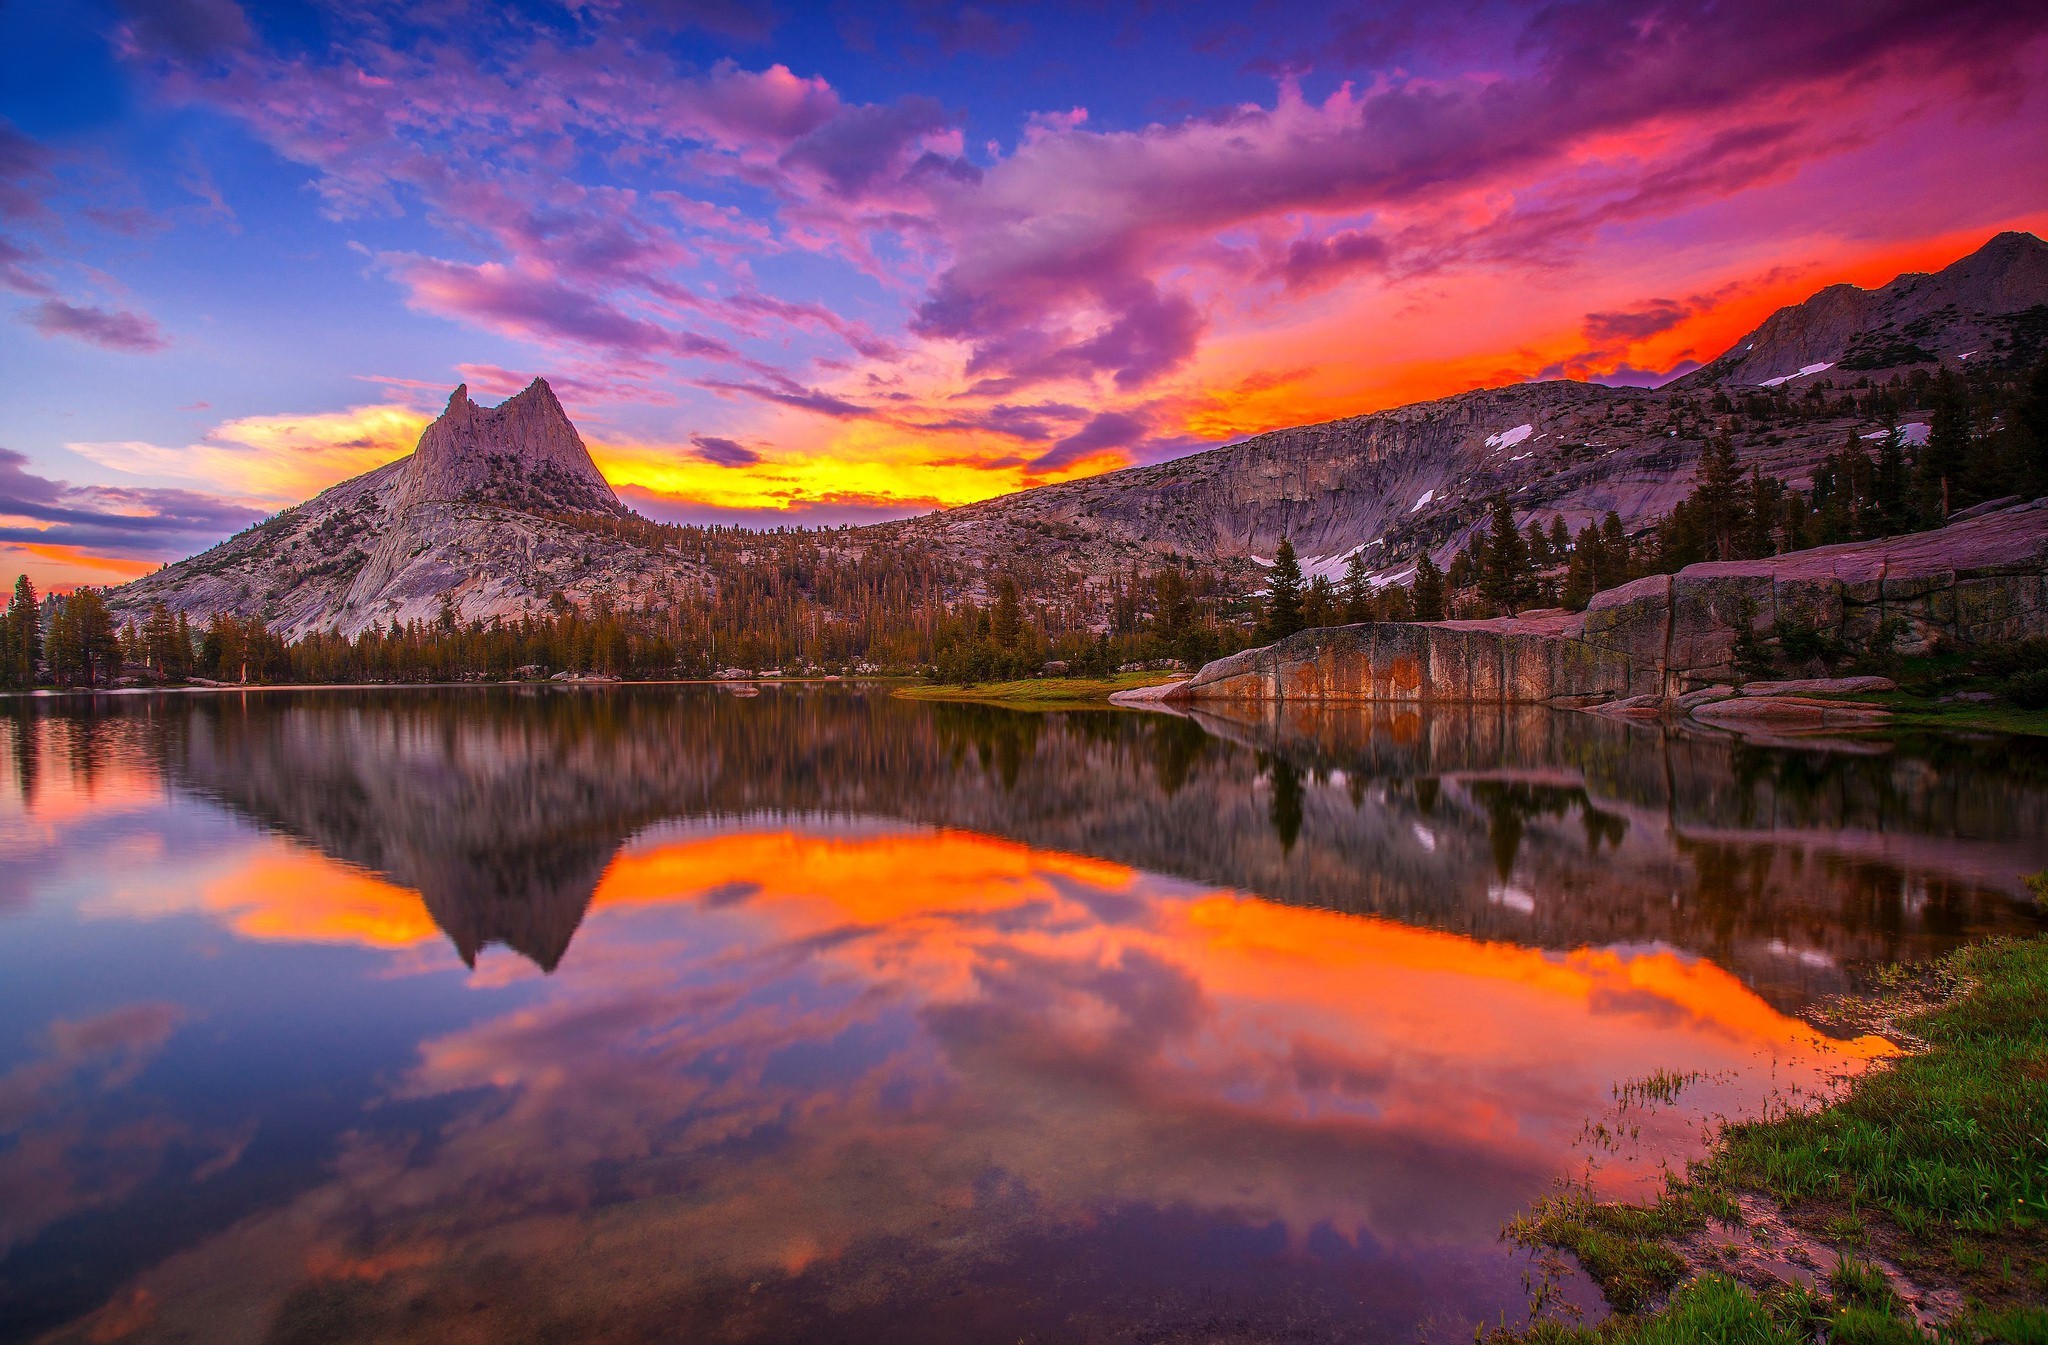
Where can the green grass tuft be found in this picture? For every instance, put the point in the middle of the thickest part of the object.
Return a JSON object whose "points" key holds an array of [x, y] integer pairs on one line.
{"points": [[1038, 693]]}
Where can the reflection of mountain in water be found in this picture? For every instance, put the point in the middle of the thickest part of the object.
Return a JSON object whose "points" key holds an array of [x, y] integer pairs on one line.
{"points": [[502, 809]]}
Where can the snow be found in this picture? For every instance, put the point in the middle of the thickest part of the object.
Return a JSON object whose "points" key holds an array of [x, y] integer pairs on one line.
{"points": [[1509, 438], [1510, 896], [1822, 367], [1966, 354], [1519, 456], [1913, 433], [1423, 499], [1332, 567], [1398, 577]]}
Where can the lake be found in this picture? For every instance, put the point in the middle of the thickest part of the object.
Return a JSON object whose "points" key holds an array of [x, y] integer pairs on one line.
{"points": [[647, 1013]]}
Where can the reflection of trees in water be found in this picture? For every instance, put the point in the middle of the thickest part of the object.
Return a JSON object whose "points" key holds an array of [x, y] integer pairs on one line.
{"points": [[1511, 804], [503, 807], [1284, 808], [1177, 746], [24, 748]]}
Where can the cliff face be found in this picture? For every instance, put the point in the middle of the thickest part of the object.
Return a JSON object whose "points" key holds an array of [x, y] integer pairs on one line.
{"points": [[1975, 582], [473, 520]]}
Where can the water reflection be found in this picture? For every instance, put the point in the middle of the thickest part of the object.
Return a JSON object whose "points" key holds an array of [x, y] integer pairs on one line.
{"points": [[827, 1016]]}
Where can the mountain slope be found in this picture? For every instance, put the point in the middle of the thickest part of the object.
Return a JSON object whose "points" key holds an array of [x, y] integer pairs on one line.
{"points": [[1974, 307], [479, 518], [1416, 478]]}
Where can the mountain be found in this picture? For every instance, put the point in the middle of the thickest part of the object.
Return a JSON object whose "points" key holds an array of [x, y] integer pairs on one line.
{"points": [[490, 515], [1396, 483], [1983, 305], [499, 508]]}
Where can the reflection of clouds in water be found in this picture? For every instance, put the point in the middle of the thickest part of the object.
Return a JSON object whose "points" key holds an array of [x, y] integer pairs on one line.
{"points": [[775, 1047], [70, 1143]]}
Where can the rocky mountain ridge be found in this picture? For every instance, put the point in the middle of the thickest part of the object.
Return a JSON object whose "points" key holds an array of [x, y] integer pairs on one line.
{"points": [[1416, 478], [490, 516], [1976, 307]]}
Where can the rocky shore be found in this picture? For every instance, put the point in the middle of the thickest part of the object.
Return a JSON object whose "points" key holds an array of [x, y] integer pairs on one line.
{"points": [[1669, 643]]}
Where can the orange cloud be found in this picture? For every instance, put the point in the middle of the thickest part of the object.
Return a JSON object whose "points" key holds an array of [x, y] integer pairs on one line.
{"points": [[57, 568], [273, 459]]}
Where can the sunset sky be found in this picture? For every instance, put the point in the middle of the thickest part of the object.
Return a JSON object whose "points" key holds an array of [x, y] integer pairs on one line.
{"points": [[838, 262]]}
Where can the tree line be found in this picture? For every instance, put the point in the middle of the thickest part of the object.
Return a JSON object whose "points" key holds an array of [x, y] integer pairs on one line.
{"points": [[802, 600]]}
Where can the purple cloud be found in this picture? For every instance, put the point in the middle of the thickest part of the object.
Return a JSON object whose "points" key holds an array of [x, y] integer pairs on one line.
{"points": [[1313, 263], [724, 452], [110, 329], [862, 145], [1105, 430], [194, 30], [113, 520], [1656, 315]]}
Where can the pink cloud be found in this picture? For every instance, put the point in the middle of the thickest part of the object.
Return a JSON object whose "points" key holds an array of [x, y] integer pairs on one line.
{"points": [[110, 329]]}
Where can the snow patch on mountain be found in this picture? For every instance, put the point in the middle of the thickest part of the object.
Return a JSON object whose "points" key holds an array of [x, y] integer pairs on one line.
{"points": [[1783, 379]]}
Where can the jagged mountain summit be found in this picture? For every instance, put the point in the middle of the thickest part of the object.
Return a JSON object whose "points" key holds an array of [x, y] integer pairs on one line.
{"points": [[523, 454], [1976, 307], [488, 517]]}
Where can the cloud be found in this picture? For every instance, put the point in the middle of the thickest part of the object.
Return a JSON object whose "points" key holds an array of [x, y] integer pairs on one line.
{"points": [[14, 272], [195, 30], [1656, 315], [1312, 263], [25, 167], [724, 452], [1105, 430], [109, 329], [272, 460], [131, 522]]}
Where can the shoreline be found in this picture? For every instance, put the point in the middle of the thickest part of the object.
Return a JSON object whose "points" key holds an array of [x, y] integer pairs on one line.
{"points": [[1908, 1204]]}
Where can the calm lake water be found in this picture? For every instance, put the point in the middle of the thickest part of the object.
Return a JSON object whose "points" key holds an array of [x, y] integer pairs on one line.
{"points": [[673, 1014]]}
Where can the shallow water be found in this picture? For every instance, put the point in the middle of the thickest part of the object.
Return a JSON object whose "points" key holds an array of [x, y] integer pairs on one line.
{"points": [[664, 1013]]}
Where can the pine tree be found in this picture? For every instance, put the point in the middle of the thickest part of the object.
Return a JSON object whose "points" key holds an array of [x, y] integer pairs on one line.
{"points": [[1429, 590], [1173, 610], [1888, 485], [1283, 596], [1717, 500], [1006, 619], [1939, 472], [2030, 427], [1358, 595], [1614, 554], [21, 636], [1506, 575]]}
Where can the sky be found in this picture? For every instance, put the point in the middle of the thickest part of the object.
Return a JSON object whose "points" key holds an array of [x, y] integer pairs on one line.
{"points": [[840, 262]]}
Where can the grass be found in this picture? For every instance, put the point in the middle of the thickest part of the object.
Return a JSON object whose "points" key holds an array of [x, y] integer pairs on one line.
{"points": [[1038, 693], [1914, 711], [1939, 1163]]}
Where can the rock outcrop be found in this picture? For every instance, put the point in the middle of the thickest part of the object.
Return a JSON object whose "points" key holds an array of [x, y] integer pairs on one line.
{"points": [[523, 454], [1976, 582]]}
